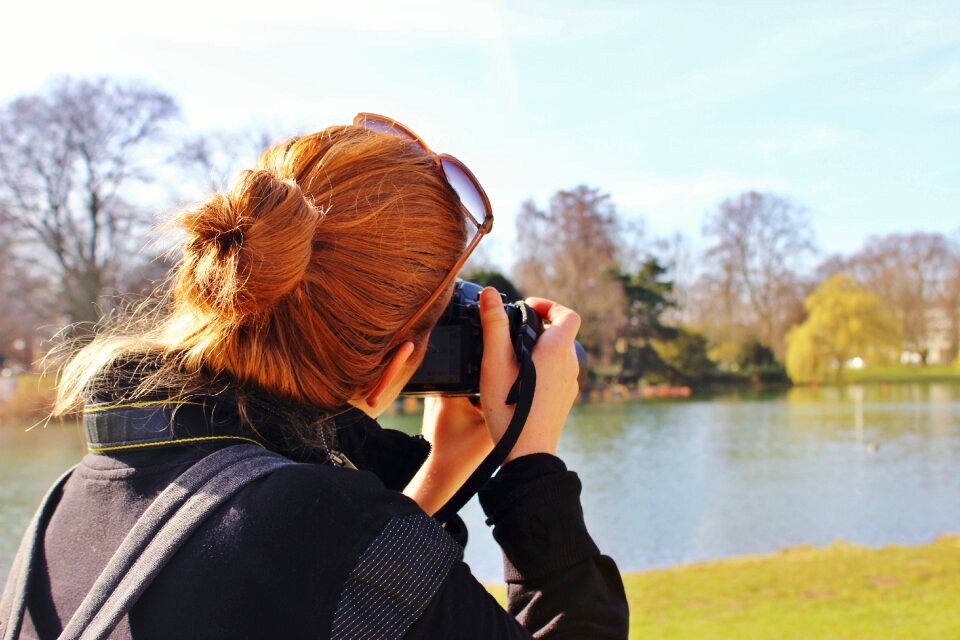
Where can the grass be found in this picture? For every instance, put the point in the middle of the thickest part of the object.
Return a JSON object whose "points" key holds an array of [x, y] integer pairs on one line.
{"points": [[838, 592], [903, 373]]}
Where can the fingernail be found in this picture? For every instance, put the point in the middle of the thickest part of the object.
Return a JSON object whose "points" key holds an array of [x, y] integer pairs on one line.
{"points": [[489, 296]]}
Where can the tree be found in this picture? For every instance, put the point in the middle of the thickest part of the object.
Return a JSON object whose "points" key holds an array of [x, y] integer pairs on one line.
{"points": [[69, 160], [753, 354], [759, 244], [756, 361], [950, 300], [685, 357], [844, 322], [24, 306], [495, 279], [913, 274], [714, 309], [676, 255], [570, 252], [212, 160], [647, 295]]}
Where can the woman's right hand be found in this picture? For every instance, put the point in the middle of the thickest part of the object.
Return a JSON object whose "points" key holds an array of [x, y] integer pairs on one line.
{"points": [[557, 368]]}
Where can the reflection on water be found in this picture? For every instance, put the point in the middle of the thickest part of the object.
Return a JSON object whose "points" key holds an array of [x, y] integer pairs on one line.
{"points": [[750, 472], [669, 482], [29, 462]]}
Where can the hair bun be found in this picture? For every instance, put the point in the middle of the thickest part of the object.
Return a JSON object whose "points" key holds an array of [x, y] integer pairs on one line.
{"points": [[247, 249]]}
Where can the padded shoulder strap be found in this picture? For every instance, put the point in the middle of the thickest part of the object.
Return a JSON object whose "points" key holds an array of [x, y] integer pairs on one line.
{"points": [[394, 579], [166, 524]]}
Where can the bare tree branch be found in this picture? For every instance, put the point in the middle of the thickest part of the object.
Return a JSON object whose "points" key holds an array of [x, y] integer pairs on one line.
{"points": [[917, 274], [569, 252], [760, 241], [66, 158]]}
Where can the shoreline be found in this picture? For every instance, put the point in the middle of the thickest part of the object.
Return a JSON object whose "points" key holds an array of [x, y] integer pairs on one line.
{"points": [[29, 397]]}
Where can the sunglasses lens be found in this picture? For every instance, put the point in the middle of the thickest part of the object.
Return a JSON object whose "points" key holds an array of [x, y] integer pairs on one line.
{"points": [[466, 188]]}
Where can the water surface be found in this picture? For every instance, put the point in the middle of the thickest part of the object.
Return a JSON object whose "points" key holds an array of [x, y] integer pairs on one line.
{"points": [[683, 481]]}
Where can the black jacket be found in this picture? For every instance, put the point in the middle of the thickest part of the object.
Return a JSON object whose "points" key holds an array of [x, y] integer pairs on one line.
{"points": [[315, 550]]}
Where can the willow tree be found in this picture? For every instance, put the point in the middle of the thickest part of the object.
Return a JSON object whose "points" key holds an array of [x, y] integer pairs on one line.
{"points": [[843, 322]]}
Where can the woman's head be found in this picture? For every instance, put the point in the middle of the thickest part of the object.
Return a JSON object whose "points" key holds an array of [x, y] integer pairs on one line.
{"points": [[296, 281]]}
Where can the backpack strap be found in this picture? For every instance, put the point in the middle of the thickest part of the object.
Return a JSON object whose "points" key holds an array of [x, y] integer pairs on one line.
{"points": [[13, 605], [166, 524]]}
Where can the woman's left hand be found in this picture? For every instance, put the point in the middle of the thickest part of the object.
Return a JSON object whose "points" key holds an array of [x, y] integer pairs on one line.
{"points": [[459, 441]]}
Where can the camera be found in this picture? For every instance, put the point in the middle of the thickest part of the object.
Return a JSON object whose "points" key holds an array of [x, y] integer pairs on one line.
{"points": [[451, 366]]}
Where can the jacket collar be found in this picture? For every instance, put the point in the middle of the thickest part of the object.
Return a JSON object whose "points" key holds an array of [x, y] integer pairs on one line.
{"points": [[347, 437]]}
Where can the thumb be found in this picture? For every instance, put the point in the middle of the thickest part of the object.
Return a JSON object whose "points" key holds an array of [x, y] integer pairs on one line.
{"points": [[497, 349]]}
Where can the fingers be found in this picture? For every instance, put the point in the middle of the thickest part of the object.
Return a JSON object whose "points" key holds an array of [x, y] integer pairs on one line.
{"points": [[565, 321], [496, 330]]}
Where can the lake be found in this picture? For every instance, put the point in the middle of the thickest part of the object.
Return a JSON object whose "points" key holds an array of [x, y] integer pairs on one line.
{"points": [[689, 480]]}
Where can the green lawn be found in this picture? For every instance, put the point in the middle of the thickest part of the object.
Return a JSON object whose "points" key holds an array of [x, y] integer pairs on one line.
{"points": [[838, 592], [902, 373]]}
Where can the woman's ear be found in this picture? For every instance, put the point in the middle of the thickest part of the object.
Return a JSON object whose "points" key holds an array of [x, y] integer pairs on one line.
{"points": [[394, 377]]}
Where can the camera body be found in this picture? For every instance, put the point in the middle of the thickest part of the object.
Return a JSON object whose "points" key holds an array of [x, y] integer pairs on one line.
{"points": [[451, 366]]}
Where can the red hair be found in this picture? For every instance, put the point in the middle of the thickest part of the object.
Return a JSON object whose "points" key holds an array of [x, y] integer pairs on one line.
{"points": [[295, 281]]}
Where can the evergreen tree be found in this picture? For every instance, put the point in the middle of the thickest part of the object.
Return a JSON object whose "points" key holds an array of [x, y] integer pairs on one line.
{"points": [[495, 279]]}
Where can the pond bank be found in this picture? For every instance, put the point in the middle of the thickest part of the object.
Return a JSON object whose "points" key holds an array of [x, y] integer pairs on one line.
{"points": [[838, 591]]}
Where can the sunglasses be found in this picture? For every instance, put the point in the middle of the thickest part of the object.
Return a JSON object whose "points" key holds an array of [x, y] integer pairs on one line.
{"points": [[473, 200]]}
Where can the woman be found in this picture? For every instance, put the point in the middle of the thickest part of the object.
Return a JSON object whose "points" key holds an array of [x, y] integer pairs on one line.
{"points": [[301, 305]]}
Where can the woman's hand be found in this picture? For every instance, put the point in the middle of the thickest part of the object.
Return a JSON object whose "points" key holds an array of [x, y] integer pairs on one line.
{"points": [[557, 367], [459, 441], [462, 435]]}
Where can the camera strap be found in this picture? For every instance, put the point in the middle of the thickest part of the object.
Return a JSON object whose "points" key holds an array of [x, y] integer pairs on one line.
{"points": [[521, 395]]}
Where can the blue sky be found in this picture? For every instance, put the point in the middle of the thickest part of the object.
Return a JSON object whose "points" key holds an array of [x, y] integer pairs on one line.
{"points": [[850, 109]]}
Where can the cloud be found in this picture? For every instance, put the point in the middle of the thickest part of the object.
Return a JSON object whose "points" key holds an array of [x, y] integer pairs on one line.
{"points": [[801, 50], [943, 89], [945, 80], [807, 140], [187, 21], [655, 193]]}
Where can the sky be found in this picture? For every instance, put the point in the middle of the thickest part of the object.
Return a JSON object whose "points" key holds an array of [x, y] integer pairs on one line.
{"points": [[849, 109]]}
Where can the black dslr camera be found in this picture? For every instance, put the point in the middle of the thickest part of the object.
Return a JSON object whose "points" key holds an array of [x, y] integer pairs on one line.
{"points": [[451, 366]]}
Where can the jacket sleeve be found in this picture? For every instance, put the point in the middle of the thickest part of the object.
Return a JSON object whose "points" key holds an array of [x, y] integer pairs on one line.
{"points": [[558, 583]]}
